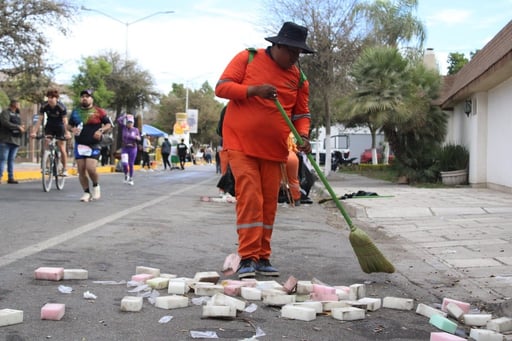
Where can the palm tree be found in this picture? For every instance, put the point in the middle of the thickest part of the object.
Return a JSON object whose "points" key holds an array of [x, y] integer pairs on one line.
{"points": [[378, 75]]}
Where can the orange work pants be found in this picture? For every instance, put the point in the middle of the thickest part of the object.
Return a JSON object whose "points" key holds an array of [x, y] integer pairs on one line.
{"points": [[292, 172], [257, 187], [223, 161]]}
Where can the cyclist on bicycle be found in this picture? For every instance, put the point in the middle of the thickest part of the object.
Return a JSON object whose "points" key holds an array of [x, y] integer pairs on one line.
{"points": [[56, 124]]}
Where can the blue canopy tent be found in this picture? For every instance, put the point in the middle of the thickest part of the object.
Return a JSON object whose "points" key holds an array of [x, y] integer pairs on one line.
{"points": [[152, 131]]}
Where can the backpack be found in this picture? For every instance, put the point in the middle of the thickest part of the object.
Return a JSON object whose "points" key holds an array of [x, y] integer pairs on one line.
{"points": [[252, 52]]}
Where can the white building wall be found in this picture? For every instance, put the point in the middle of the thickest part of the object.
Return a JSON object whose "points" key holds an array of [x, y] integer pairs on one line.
{"points": [[476, 139], [499, 155]]}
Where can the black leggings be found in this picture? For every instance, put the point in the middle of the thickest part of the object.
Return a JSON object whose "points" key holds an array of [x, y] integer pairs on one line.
{"points": [[165, 158]]}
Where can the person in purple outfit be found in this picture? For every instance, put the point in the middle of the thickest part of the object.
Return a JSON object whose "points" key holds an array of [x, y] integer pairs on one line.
{"points": [[130, 140]]}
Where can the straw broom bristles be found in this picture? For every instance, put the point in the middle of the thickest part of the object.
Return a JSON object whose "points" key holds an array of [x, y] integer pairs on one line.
{"points": [[369, 257]]}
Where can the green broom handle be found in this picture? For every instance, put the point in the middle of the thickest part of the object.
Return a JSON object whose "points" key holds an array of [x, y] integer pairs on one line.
{"points": [[321, 174]]}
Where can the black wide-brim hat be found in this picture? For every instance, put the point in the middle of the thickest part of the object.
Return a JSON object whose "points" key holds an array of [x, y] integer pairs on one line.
{"points": [[292, 35]]}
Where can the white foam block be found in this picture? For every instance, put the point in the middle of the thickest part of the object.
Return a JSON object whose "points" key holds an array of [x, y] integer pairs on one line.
{"points": [[356, 291], [298, 312], [252, 294], [485, 335], [221, 299], [304, 287], [398, 303], [317, 306], [177, 287], [278, 300], [369, 303], [218, 311], [428, 311], [454, 310], [147, 270], [131, 303], [75, 274], [171, 302], [476, 320], [10, 316], [207, 276], [208, 290], [330, 305], [500, 325], [348, 314]]}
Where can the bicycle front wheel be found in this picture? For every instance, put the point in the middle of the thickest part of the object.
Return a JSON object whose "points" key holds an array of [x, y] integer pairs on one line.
{"points": [[47, 171], [59, 178]]}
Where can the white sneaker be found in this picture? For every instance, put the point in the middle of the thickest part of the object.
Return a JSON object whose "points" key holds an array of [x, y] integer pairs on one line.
{"points": [[86, 197], [130, 182], [96, 193], [151, 169]]}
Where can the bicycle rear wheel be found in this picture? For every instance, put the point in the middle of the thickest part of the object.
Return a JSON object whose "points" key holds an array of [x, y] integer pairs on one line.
{"points": [[59, 179], [47, 171]]}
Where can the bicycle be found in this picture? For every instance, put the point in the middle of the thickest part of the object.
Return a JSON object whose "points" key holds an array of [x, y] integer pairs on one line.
{"points": [[51, 167]]}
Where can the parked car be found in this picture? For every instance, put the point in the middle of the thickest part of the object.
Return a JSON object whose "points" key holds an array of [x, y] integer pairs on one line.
{"points": [[366, 156]]}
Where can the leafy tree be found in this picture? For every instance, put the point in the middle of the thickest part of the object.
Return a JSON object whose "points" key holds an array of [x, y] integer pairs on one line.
{"points": [[456, 61], [92, 75], [24, 26]]}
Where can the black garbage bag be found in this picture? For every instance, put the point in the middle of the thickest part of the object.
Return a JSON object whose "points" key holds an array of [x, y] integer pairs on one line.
{"points": [[227, 182]]}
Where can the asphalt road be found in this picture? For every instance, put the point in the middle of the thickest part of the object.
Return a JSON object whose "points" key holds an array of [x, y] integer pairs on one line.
{"points": [[162, 223]]}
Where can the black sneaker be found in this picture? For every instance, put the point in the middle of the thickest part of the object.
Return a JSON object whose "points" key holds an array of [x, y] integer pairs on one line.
{"points": [[246, 268], [263, 267]]}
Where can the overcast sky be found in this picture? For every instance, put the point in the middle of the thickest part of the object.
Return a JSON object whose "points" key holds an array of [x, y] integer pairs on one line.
{"points": [[194, 44]]}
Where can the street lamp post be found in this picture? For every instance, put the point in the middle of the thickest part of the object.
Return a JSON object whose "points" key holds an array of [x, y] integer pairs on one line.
{"points": [[126, 23]]}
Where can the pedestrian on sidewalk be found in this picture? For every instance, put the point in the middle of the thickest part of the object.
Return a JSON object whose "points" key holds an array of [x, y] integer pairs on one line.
{"points": [[165, 150], [254, 136], [147, 147], [129, 144], [11, 129], [88, 123], [56, 125], [182, 153]]}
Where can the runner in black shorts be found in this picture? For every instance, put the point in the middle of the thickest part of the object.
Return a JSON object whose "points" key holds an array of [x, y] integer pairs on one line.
{"points": [[56, 123]]}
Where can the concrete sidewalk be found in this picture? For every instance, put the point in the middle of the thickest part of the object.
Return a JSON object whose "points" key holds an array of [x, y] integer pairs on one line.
{"points": [[452, 241]]}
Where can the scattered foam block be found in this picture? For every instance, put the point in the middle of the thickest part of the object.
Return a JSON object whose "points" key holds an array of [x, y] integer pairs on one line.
{"points": [[231, 264], [131, 303], [348, 313], [158, 283], [221, 299], [369, 303], [330, 305], [500, 325], [300, 313], [304, 287], [454, 310], [49, 273], [147, 270], [442, 336], [171, 302], [218, 311], [476, 320], [278, 300], [443, 323], [428, 311], [208, 290], [398, 303], [356, 291], [270, 292], [250, 293], [264, 285], [343, 292], [53, 311], [290, 285], [485, 335], [10, 316], [462, 305], [323, 297], [170, 276], [207, 276], [232, 289], [75, 274], [142, 278], [177, 287], [318, 306]]}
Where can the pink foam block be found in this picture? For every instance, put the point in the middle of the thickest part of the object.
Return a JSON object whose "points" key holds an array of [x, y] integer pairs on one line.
{"points": [[231, 264], [290, 285], [462, 305], [233, 290], [323, 289], [53, 311], [441, 336], [324, 297], [49, 274], [141, 278]]}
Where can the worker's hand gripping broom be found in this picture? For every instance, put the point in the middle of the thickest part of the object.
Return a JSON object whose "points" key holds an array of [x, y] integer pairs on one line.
{"points": [[369, 257]]}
